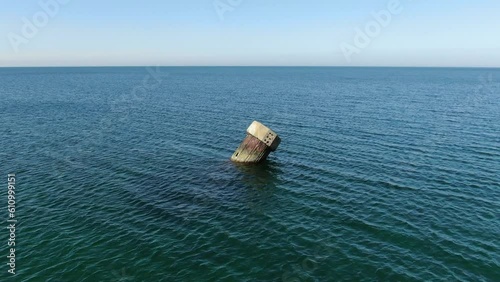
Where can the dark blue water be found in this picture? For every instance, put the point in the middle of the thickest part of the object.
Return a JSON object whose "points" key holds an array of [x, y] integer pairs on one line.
{"points": [[123, 174]]}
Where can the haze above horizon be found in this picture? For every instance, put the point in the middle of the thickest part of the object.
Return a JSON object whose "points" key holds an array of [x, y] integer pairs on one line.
{"points": [[250, 33]]}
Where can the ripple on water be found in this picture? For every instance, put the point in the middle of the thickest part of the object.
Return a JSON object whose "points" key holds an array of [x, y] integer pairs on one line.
{"points": [[382, 174]]}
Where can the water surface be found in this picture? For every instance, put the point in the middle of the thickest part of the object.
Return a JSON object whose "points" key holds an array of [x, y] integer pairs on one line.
{"points": [[389, 174]]}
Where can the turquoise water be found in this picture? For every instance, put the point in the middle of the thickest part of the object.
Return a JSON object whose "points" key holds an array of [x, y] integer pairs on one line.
{"points": [[388, 174]]}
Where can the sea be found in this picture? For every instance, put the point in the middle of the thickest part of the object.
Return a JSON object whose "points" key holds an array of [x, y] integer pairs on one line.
{"points": [[123, 174]]}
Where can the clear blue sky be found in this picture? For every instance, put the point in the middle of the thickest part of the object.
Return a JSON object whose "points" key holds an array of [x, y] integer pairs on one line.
{"points": [[253, 32]]}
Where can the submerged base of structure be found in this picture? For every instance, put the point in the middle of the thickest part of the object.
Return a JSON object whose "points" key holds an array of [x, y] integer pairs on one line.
{"points": [[259, 142]]}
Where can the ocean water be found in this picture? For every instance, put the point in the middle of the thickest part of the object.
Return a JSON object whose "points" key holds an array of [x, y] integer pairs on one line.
{"points": [[123, 174]]}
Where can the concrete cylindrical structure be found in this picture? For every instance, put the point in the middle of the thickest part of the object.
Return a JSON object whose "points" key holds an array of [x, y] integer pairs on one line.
{"points": [[257, 145]]}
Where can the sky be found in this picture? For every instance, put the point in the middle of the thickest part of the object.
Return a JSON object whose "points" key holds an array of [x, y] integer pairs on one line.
{"points": [[445, 33]]}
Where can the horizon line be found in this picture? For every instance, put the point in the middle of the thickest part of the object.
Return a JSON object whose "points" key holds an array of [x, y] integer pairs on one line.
{"points": [[249, 66]]}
